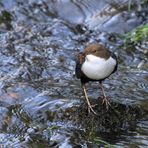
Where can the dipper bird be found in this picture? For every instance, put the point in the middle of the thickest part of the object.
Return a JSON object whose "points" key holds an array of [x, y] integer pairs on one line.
{"points": [[95, 63]]}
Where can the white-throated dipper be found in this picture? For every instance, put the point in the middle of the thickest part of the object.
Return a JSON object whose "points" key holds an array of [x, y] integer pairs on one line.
{"points": [[95, 63]]}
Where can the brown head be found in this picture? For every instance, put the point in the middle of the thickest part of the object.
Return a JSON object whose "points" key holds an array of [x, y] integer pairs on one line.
{"points": [[97, 50]]}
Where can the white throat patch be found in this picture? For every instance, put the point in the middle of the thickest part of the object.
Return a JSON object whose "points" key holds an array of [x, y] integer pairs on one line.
{"points": [[97, 68]]}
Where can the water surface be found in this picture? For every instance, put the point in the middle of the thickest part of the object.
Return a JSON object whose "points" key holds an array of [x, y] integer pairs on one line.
{"points": [[41, 102]]}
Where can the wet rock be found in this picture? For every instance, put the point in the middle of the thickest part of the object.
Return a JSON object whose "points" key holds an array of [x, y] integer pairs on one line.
{"points": [[41, 102], [4, 119]]}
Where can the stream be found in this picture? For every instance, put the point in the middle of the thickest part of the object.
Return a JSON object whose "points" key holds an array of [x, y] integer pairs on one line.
{"points": [[41, 101]]}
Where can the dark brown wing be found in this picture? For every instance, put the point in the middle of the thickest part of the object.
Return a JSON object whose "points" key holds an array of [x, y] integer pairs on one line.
{"points": [[114, 57], [79, 61]]}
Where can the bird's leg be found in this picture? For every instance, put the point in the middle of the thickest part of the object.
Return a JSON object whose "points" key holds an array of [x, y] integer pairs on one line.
{"points": [[105, 100], [90, 108]]}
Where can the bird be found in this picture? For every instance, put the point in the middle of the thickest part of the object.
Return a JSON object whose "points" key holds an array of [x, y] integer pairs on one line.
{"points": [[95, 63]]}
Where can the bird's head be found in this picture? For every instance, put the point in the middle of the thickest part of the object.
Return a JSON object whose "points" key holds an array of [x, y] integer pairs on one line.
{"points": [[97, 50]]}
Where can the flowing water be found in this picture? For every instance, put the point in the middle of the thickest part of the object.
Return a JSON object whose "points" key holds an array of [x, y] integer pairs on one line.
{"points": [[41, 102]]}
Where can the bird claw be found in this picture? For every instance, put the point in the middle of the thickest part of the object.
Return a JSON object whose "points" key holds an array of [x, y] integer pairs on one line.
{"points": [[106, 102], [90, 109]]}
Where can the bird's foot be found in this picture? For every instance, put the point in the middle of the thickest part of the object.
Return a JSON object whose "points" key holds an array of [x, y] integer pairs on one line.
{"points": [[90, 109], [106, 102]]}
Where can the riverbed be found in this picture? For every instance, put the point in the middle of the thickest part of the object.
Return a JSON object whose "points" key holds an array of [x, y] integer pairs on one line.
{"points": [[41, 101]]}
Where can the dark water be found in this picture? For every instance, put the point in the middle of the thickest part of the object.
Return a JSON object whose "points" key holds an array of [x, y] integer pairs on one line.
{"points": [[41, 102]]}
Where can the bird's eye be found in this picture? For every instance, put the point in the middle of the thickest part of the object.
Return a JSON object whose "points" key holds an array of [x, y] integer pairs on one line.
{"points": [[95, 51]]}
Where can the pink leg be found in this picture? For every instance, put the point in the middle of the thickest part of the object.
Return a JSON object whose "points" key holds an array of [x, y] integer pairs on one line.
{"points": [[90, 108], [105, 100]]}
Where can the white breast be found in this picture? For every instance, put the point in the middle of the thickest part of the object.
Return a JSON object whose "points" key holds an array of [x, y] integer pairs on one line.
{"points": [[98, 68]]}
